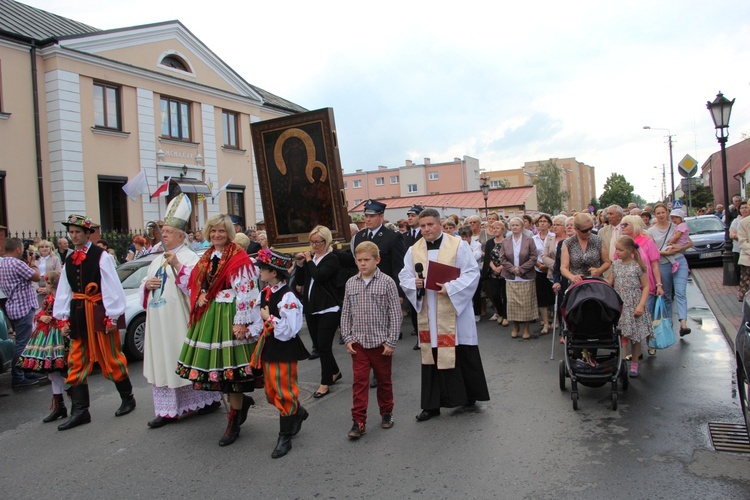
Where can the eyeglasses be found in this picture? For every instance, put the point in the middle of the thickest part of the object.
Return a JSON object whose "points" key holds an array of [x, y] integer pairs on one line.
{"points": [[317, 242], [585, 229]]}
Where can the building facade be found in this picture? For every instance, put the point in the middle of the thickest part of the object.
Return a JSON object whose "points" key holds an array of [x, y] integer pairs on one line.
{"points": [[578, 179], [83, 111], [412, 180], [738, 163]]}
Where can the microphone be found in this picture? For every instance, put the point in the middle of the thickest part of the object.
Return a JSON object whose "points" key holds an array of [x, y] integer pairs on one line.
{"points": [[419, 268]]}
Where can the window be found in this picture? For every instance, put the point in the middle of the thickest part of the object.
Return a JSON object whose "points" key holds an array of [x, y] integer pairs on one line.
{"points": [[433, 176], [106, 106], [113, 204], [357, 202], [344, 184], [379, 181], [3, 201], [175, 62], [175, 119], [229, 127], [2, 107], [357, 184], [236, 201], [496, 184], [412, 188], [394, 179]]}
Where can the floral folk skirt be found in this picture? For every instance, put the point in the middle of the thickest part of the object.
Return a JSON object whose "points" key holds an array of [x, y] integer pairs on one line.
{"points": [[211, 358], [45, 352]]}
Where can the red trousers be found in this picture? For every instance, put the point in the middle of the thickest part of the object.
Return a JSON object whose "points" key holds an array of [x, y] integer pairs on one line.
{"points": [[362, 362]]}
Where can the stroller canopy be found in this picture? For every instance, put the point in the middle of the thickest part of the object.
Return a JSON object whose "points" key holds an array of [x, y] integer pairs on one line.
{"points": [[591, 304]]}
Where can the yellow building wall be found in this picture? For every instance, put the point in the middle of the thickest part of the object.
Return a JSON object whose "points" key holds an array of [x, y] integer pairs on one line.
{"points": [[17, 144]]}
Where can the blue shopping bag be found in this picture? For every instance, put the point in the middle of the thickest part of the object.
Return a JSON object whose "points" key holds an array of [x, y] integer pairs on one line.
{"points": [[663, 336]]}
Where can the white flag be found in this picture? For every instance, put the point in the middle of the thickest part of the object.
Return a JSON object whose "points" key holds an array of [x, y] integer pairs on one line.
{"points": [[222, 188], [136, 186]]}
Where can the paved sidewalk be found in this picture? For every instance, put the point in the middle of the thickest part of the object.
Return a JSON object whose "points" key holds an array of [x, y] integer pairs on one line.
{"points": [[721, 299]]}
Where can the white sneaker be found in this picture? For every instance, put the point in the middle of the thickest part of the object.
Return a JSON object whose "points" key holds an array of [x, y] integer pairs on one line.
{"points": [[477, 318], [494, 317]]}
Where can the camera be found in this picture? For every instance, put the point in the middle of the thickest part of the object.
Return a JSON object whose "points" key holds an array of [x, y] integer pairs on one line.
{"points": [[27, 251]]}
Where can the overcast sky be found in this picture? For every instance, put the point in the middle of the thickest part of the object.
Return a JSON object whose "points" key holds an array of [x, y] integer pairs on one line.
{"points": [[501, 83]]}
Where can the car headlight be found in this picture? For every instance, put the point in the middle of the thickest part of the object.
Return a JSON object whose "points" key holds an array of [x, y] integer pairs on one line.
{"points": [[691, 249]]}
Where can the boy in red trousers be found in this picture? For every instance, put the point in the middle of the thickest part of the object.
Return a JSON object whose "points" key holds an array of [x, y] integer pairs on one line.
{"points": [[370, 324]]}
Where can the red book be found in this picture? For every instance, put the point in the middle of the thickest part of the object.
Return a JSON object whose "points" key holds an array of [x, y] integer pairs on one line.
{"points": [[440, 273]]}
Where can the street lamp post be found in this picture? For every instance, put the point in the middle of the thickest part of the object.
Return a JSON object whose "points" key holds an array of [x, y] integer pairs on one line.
{"points": [[671, 162], [721, 109], [485, 187]]}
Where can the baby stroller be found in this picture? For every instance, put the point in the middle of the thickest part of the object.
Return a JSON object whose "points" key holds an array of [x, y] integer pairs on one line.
{"points": [[593, 352]]}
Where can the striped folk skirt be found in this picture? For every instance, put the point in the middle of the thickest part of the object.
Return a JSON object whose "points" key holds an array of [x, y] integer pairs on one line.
{"points": [[211, 358], [522, 305]]}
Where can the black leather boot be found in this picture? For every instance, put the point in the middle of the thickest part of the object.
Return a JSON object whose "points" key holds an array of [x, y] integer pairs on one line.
{"points": [[284, 443], [125, 388], [247, 402], [299, 417], [79, 413], [233, 428], [58, 409]]}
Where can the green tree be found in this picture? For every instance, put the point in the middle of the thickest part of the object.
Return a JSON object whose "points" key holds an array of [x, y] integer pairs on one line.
{"points": [[617, 191], [501, 184], [639, 200], [549, 194], [700, 197]]}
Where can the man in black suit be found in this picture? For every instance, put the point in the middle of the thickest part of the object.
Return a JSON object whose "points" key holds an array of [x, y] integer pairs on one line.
{"points": [[390, 243], [411, 236]]}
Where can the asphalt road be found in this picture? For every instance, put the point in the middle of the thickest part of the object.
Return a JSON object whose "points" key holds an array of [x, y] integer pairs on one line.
{"points": [[527, 442]]}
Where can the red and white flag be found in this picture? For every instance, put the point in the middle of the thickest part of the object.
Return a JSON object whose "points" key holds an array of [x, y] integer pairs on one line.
{"points": [[163, 190]]}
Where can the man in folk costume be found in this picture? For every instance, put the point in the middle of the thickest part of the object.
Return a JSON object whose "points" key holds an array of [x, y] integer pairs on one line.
{"points": [[452, 373], [279, 346], [167, 317], [88, 286]]}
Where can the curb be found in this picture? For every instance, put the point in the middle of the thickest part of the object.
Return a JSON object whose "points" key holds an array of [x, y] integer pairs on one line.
{"points": [[727, 328]]}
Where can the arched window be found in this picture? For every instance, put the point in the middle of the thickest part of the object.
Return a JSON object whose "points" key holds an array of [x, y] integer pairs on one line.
{"points": [[174, 62]]}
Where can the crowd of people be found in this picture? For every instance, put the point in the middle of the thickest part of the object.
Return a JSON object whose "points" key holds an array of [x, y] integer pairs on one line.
{"points": [[227, 322]]}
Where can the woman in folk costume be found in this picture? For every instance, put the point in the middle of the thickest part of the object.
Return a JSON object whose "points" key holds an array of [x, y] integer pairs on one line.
{"points": [[167, 317], [452, 373], [47, 350], [279, 347], [223, 290]]}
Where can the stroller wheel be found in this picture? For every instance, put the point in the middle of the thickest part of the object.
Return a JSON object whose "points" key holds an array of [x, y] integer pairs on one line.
{"points": [[574, 397], [625, 379], [614, 401], [563, 373]]}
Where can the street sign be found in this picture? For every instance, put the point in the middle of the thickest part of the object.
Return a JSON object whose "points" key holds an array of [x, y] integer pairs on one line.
{"points": [[689, 184], [677, 204], [687, 167]]}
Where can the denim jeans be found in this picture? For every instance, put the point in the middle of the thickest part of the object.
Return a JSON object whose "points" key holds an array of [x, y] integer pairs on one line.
{"points": [[675, 285], [22, 327]]}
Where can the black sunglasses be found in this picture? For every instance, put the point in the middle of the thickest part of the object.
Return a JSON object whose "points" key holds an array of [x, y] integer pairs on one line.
{"points": [[586, 229]]}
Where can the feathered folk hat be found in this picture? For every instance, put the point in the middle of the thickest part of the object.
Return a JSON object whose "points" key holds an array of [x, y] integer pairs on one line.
{"points": [[280, 262], [80, 221]]}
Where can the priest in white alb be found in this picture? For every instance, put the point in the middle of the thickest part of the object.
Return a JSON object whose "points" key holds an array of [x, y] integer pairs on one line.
{"points": [[452, 373], [167, 314]]}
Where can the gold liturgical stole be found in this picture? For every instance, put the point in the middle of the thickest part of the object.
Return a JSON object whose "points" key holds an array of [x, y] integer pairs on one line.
{"points": [[446, 313]]}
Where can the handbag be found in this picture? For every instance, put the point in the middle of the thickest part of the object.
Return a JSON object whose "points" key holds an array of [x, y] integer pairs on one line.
{"points": [[663, 335]]}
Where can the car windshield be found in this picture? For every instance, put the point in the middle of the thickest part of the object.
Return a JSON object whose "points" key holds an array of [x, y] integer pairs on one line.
{"points": [[705, 225]]}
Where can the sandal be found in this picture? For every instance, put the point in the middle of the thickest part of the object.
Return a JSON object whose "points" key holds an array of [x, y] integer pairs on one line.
{"points": [[651, 352], [505, 322], [545, 330]]}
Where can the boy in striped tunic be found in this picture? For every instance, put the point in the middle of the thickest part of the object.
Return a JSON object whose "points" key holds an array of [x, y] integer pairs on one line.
{"points": [[279, 347]]}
